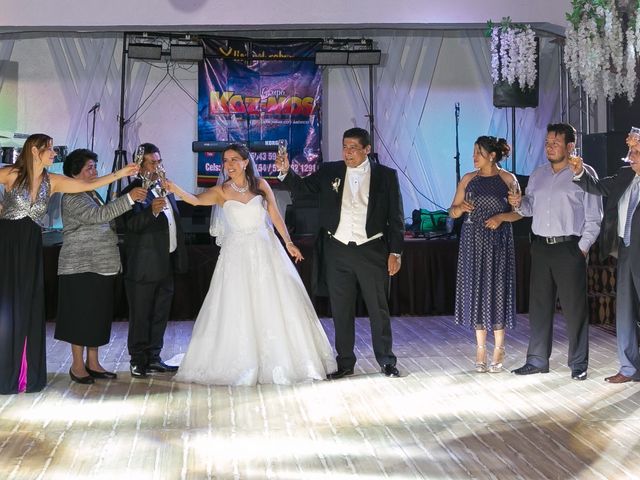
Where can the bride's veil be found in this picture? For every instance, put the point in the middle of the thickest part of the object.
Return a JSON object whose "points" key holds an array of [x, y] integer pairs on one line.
{"points": [[217, 222]]}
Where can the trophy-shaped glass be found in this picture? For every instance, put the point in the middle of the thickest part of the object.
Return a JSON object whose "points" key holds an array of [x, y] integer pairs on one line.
{"points": [[282, 147], [138, 157], [162, 179]]}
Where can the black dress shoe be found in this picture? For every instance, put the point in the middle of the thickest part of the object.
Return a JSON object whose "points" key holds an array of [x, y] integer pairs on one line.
{"points": [[138, 371], [102, 375], [161, 367], [579, 374], [88, 380], [528, 369], [341, 372], [390, 371]]}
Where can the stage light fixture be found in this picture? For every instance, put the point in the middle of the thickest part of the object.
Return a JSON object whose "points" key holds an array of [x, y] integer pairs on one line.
{"points": [[364, 57], [186, 53], [331, 57], [144, 51]]}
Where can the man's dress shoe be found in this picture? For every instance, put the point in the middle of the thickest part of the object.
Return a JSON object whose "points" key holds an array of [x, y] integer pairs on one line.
{"points": [[88, 380], [579, 374], [390, 371], [103, 375], [619, 378], [160, 367], [528, 369], [341, 372], [138, 371]]}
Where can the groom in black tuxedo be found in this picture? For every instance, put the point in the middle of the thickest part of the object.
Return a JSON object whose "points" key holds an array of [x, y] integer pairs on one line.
{"points": [[362, 221], [620, 237], [155, 251]]}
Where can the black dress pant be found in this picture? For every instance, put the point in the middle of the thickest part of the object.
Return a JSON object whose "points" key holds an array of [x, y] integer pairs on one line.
{"points": [[149, 309], [350, 266], [558, 271]]}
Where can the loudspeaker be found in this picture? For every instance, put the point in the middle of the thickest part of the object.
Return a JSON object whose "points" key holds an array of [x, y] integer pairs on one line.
{"points": [[145, 51], [604, 151], [302, 217], [505, 95], [522, 228]]}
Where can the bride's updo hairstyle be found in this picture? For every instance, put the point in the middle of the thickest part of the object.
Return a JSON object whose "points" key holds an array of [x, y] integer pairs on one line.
{"points": [[252, 176], [493, 144]]}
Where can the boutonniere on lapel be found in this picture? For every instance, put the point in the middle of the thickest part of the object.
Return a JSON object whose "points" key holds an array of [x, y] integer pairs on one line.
{"points": [[335, 184]]}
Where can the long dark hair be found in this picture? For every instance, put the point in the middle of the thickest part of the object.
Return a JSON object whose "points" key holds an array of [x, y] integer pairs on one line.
{"points": [[24, 162], [252, 178]]}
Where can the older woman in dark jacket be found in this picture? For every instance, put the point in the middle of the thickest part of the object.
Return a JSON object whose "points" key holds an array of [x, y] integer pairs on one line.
{"points": [[88, 263]]}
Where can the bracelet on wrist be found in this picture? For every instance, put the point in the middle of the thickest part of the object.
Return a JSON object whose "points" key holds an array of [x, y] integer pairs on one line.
{"points": [[288, 243]]}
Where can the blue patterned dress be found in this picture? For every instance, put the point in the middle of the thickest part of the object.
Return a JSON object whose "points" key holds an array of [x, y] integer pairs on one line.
{"points": [[485, 283]]}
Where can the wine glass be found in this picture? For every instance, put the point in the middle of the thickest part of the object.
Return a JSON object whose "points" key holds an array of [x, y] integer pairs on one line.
{"points": [[632, 139], [282, 149], [470, 198], [514, 188]]}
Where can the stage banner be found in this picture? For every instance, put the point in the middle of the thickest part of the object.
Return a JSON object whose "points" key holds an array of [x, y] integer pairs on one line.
{"points": [[258, 93]]}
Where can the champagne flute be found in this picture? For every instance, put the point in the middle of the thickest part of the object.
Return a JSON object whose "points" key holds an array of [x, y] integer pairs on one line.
{"points": [[632, 139], [282, 149], [514, 189], [470, 198]]}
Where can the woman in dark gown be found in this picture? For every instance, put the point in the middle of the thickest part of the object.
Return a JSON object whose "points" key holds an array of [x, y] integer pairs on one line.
{"points": [[485, 285], [28, 187]]}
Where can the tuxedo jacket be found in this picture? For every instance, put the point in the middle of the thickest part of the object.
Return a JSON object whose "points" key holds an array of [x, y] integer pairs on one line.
{"points": [[384, 211], [147, 241], [613, 188]]}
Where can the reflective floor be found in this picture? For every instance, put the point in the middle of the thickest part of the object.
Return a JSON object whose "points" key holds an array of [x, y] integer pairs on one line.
{"points": [[441, 420]]}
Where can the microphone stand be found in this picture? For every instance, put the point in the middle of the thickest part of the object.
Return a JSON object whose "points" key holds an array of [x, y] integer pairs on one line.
{"points": [[457, 155], [93, 127]]}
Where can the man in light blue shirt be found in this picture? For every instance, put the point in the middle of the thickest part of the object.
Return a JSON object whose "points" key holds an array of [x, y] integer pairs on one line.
{"points": [[566, 222]]}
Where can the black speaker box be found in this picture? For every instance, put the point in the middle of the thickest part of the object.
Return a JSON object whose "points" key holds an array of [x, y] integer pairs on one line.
{"points": [[522, 228], [604, 151]]}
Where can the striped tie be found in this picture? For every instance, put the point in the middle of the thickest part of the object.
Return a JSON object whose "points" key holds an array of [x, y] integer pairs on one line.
{"points": [[633, 203]]}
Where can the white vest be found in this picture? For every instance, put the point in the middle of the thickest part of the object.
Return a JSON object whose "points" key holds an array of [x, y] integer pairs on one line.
{"points": [[355, 201]]}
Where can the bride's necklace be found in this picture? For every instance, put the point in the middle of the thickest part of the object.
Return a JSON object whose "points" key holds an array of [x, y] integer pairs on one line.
{"points": [[239, 189]]}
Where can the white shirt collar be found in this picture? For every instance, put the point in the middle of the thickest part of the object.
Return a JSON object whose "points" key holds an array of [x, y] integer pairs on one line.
{"points": [[362, 168]]}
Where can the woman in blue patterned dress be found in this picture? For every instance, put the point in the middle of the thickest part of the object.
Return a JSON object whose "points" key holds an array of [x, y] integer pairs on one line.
{"points": [[22, 328], [485, 284]]}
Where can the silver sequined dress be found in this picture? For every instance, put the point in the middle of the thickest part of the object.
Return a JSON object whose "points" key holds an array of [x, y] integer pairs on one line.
{"points": [[22, 314]]}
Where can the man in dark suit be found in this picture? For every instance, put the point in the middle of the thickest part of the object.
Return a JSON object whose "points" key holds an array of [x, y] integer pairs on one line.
{"points": [[620, 237], [362, 221], [155, 251]]}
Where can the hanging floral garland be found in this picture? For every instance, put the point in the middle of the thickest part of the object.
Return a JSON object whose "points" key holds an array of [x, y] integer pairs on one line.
{"points": [[598, 54], [513, 53]]}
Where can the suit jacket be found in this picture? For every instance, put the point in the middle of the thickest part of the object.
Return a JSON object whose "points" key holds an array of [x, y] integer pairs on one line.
{"points": [[613, 188], [90, 243], [384, 211], [147, 241]]}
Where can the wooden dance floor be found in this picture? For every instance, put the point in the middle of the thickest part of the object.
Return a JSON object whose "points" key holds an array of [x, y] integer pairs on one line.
{"points": [[442, 420]]}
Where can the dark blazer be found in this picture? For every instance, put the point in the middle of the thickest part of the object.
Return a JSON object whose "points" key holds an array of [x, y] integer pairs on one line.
{"points": [[147, 241], [613, 188], [384, 212]]}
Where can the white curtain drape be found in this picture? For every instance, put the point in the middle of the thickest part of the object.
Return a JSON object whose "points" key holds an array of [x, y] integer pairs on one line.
{"points": [[89, 70], [531, 123], [415, 91]]}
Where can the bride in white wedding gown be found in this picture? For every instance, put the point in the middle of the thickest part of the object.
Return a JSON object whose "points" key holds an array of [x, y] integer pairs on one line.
{"points": [[257, 323]]}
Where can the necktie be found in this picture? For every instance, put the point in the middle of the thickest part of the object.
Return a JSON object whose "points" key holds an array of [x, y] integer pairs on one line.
{"points": [[633, 203]]}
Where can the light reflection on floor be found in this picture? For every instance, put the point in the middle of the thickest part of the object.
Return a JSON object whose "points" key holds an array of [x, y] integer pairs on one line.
{"points": [[441, 420]]}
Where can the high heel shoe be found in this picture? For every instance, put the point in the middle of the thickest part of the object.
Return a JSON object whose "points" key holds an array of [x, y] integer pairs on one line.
{"points": [[481, 366], [88, 380], [496, 367]]}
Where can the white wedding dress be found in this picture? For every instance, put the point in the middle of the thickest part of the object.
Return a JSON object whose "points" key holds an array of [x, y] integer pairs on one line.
{"points": [[257, 323]]}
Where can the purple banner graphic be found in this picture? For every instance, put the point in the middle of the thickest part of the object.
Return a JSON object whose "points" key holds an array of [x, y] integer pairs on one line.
{"points": [[256, 93]]}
